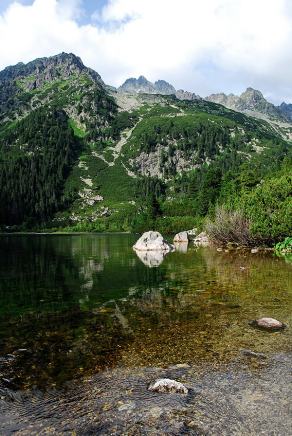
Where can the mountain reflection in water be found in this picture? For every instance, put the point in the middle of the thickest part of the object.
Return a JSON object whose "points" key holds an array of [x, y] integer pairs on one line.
{"points": [[74, 305]]}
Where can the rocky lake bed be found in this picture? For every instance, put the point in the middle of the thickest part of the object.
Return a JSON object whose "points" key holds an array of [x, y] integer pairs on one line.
{"points": [[88, 327]]}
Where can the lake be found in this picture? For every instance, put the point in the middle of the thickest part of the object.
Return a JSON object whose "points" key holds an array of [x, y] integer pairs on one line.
{"points": [[80, 310]]}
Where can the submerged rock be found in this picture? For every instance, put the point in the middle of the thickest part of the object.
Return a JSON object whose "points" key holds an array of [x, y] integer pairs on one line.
{"points": [[202, 240], [152, 241], [250, 353], [181, 237], [166, 385], [268, 324]]}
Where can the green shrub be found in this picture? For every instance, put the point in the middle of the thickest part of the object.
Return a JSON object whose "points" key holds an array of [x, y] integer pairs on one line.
{"points": [[284, 246], [269, 208]]}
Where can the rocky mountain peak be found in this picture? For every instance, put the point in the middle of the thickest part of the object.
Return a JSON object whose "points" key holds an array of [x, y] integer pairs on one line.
{"points": [[250, 101], [142, 80], [36, 73], [164, 87], [252, 96], [142, 85]]}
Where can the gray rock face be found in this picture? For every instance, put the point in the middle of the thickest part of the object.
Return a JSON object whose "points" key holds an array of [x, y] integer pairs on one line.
{"points": [[251, 100], [186, 95], [163, 87], [268, 324], [166, 385], [43, 70], [152, 241], [142, 85]]}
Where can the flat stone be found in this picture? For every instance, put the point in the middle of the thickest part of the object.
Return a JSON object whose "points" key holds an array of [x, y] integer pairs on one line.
{"points": [[166, 385]]}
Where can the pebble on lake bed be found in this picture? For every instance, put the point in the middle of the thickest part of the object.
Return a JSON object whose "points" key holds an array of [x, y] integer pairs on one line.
{"points": [[268, 324], [166, 385]]}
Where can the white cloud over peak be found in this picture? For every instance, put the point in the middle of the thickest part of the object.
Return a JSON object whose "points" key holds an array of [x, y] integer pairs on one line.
{"points": [[200, 45]]}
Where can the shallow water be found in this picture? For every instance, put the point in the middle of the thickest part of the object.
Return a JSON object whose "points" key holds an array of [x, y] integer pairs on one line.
{"points": [[86, 307]]}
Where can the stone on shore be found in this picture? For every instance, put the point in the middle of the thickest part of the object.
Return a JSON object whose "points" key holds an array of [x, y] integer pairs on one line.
{"points": [[268, 324], [152, 241], [202, 240], [166, 385]]}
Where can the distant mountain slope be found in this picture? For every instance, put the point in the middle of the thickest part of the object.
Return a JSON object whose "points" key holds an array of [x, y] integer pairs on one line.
{"points": [[76, 154], [251, 101]]}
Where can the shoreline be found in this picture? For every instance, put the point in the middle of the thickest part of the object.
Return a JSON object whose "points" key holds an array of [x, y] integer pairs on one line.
{"points": [[225, 399]]}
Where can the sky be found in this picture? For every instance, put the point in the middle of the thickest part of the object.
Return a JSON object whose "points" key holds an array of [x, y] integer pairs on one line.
{"points": [[203, 46]]}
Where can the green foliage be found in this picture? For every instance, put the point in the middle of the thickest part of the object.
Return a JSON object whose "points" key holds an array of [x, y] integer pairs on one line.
{"points": [[36, 158], [284, 246], [269, 207], [284, 249], [237, 161]]}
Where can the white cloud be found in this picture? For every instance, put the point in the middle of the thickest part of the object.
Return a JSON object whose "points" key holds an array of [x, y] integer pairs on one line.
{"points": [[200, 45]]}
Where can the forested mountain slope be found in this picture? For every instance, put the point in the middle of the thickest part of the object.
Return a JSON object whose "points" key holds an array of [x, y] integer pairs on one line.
{"points": [[77, 155]]}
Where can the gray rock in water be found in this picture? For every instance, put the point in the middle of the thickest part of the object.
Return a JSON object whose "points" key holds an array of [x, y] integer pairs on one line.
{"points": [[152, 241], [166, 385], [181, 237], [268, 324]]}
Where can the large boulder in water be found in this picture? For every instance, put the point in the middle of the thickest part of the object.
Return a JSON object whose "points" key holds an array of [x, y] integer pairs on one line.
{"points": [[166, 385], [181, 237], [151, 241]]}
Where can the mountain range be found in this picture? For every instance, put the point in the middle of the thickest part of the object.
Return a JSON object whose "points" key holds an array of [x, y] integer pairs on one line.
{"points": [[79, 155], [250, 101], [142, 85]]}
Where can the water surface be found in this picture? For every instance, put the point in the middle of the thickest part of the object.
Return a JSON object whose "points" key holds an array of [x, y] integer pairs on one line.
{"points": [[86, 309]]}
